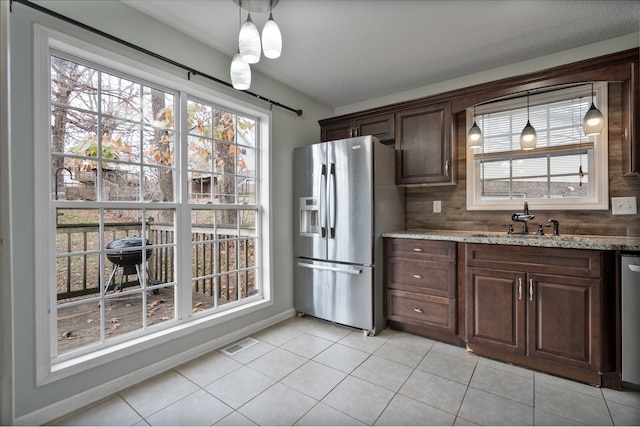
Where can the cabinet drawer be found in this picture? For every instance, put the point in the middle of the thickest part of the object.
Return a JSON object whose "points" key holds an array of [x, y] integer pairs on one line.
{"points": [[421, 310], [424, 250], [559, 261], [428, 277]]}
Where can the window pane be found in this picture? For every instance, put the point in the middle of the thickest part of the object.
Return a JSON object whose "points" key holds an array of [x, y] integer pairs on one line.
{"points": [[120, 182], [224, 189], [527, 189], [158, 146], [120, 97], [530, 167], [246, 131], [199, 119], [568, 164], [496, 169], [225, 158], [158, 184], [569, 186], [199, 187], [157, 108], [78, 326], [73, 85], [120, 140], [224, 125], [199, 156], [74, 132]]}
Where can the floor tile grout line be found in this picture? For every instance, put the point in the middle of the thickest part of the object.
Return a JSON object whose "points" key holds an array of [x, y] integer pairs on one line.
{"points": [[466, 390], [535, 380]]}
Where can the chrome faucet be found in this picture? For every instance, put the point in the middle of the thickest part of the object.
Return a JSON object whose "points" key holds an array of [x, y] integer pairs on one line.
{"points": [[523, 217]]}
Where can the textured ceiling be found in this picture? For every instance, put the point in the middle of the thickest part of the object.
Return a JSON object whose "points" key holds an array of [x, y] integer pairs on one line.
{"points": [[340, 52]]}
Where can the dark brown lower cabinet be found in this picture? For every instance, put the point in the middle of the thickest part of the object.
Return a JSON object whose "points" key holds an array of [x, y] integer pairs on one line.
{"points": [[545, 308], [421, 288]]}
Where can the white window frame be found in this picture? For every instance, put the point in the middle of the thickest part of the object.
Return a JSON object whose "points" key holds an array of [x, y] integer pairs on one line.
{"points": [[598, 198], [50, 369]]}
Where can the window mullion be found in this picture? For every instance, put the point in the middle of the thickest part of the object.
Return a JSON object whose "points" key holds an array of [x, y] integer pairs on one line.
{"points": [[183, 231]]}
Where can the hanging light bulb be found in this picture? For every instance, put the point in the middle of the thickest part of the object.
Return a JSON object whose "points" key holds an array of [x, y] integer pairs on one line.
{"points": [[271, 39], [249, 42], [528, 137], [240, 73], [593, 121], [474, 137]]}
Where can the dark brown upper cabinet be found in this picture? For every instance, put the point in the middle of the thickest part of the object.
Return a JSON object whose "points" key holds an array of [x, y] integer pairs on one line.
{"points": [[423, 128], [425, 152], [379, 125]]}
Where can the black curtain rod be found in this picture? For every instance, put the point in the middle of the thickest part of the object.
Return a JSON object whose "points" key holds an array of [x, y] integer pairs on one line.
{"points": [[190, 71]]}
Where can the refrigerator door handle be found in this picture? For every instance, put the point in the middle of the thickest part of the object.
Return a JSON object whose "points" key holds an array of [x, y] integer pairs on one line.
{"points": [[353, 271], [323, 205], [332, 201]]}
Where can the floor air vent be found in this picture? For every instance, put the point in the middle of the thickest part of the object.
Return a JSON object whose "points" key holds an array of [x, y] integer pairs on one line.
{"points": [[240, 346]]}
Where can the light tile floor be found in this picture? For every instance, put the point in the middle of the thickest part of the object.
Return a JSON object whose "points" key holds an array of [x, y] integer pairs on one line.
{"points": [[305, 371]]}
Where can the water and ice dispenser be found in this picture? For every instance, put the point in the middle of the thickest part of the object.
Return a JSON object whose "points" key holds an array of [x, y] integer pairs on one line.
{"points": [[310, 216]]}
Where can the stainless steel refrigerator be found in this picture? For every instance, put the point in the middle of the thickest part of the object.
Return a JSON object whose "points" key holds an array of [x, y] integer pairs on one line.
{"points": [[345, 197]]}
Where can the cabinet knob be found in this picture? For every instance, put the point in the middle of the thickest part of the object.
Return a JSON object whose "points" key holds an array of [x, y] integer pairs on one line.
{"points": [[417, 310], [417, 249], [530, 289], [417, 276]]}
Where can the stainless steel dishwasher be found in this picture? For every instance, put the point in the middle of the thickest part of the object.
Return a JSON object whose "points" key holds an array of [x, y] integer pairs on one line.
{"points": [[631, 319]]}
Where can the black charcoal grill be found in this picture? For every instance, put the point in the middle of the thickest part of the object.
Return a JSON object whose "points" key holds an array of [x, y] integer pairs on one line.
{"points": [[121, 254]]}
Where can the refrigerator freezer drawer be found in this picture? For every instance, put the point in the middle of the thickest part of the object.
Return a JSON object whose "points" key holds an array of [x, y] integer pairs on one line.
{"points": [[336, 292]]}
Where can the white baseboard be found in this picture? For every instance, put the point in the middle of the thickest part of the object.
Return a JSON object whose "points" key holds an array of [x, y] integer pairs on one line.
{"points": [[93, 395]]}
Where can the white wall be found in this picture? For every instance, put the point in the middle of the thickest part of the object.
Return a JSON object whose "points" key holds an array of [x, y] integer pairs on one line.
{"points": [[6, 360], [617, 44], [36, 405]]}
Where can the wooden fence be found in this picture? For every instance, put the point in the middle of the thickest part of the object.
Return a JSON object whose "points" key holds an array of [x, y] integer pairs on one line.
{"points": [[214, 255]]}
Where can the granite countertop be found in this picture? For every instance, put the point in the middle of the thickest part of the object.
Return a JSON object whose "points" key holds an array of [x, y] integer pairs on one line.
{"points": [[569, 241]]}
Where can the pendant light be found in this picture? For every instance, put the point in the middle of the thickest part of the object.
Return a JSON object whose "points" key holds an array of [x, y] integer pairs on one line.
{"points": [[271, 37], [528, 137], [474, 137], [240, 70], [249, 41], [240, 73], [593, 121]]}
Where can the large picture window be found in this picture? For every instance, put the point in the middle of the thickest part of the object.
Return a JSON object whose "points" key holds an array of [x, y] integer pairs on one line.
{"points": [[154, 199], [566, 170]]}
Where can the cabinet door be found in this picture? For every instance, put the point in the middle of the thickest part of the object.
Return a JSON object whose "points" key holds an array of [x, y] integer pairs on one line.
{"points": [[340, 130], [381, 126], [424, 149], [564, 324], [496, 310]]}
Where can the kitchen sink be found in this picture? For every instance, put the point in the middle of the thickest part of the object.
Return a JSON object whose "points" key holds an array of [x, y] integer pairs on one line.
{"points": [[562, 237]]}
